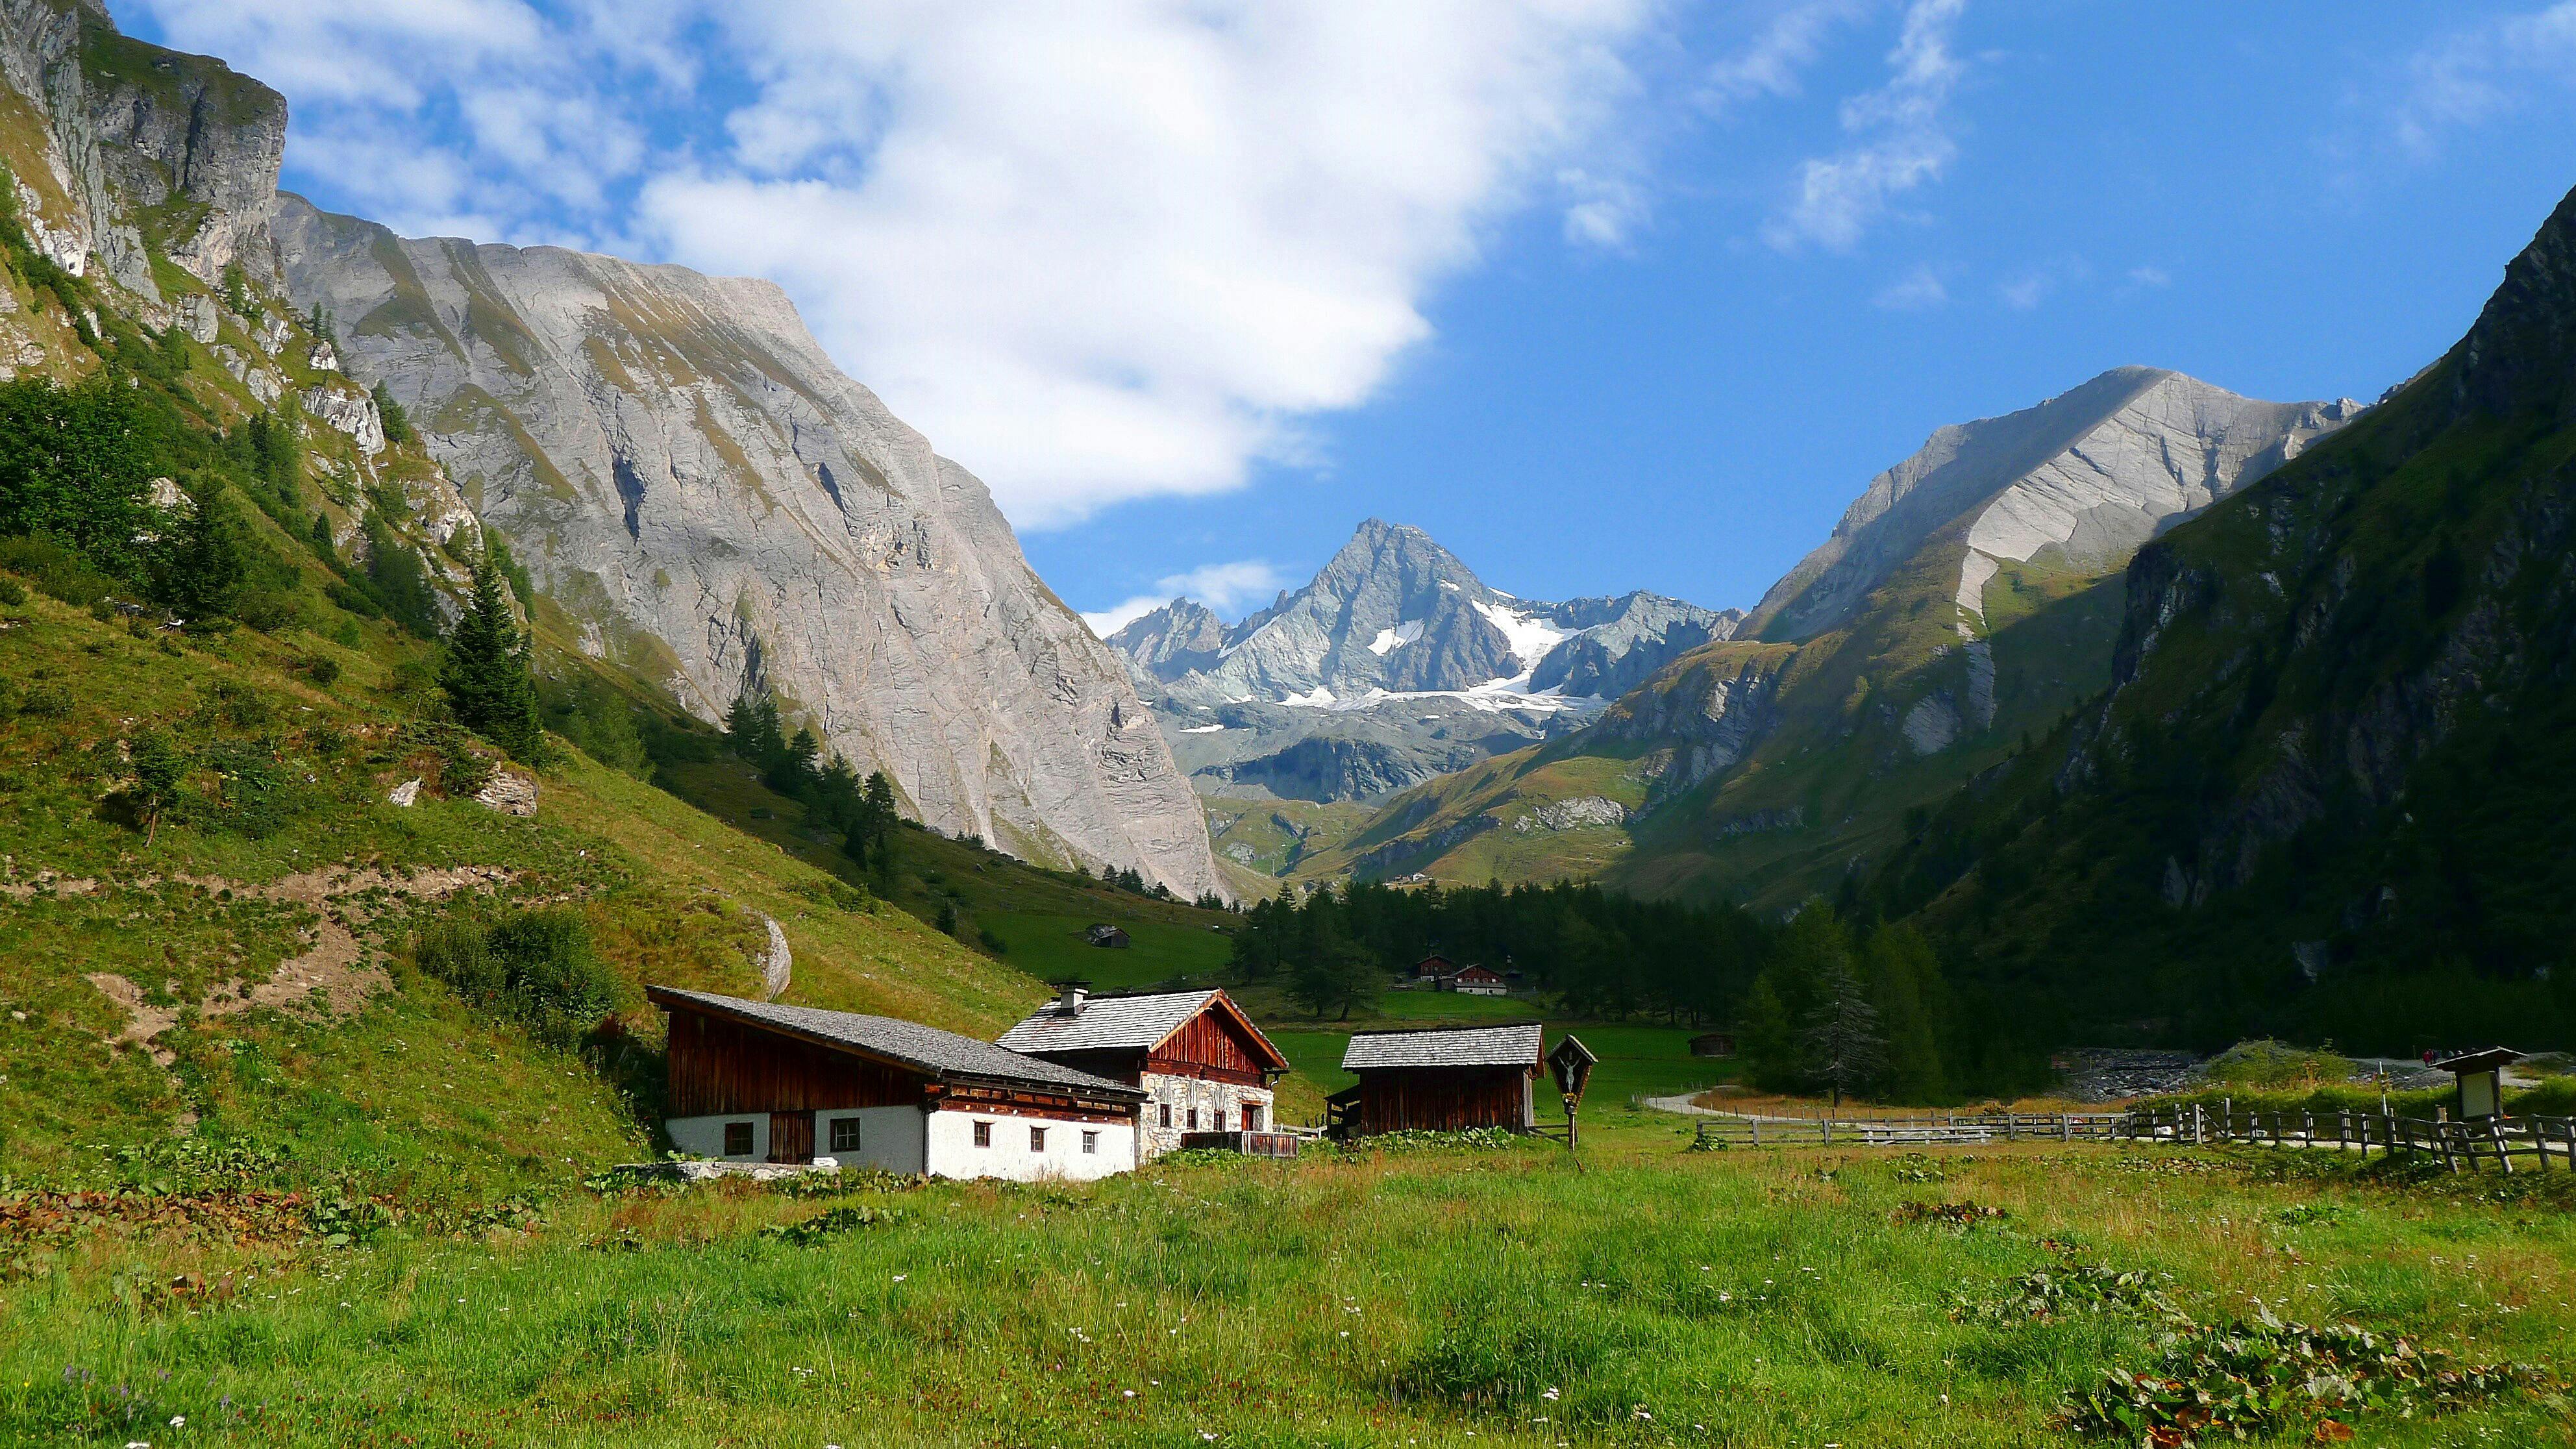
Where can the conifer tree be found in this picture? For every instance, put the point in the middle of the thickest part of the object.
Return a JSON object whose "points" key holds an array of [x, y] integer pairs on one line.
{"points": [[1844, 1048], [1903, 980], [197, 569], [159, 770], [486, 673]]}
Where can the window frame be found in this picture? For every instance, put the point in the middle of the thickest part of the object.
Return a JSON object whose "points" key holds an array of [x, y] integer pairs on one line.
{"points": [[750, 1139], [1037, 1139], [1167, 1113], [850, 1127], [1091, 1144], [1252, 1115], [983, 1134]]}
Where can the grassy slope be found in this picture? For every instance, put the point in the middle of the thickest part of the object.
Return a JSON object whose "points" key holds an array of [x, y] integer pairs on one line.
{"points": [[673, 893], [1629, 1295]]}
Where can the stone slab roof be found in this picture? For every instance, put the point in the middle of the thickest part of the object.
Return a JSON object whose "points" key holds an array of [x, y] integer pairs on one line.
{"points": [[941, 1053], [1120, 1023], [1475, 1046]]}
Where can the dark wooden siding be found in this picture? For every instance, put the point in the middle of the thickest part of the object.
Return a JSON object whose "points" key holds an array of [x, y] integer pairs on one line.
{"points": [[1443, 1099], [1208, 1045], [791, 1136], [719, 1067]]}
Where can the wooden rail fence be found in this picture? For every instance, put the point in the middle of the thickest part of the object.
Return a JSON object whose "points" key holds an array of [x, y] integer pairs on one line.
{"points": [[2503, 1141]]}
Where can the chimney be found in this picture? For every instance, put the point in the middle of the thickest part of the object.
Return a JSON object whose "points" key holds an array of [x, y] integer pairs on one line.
{"points": [[1070, 995]]}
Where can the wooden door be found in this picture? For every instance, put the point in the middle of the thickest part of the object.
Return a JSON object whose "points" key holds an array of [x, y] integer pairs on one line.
{"points": [[791, 1136]]}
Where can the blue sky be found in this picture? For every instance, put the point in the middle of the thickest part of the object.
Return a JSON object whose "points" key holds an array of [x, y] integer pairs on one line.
{"points": [[1605, 294]]}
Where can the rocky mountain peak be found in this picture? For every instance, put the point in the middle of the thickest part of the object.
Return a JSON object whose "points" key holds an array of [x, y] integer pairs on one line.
{"points": [[2084, 477], [2521, 353]]}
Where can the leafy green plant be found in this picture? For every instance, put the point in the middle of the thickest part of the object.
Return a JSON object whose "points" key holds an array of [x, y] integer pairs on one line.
{"points": [[535, 967], [832, 1222], [2266, 1376], [2045, 1294]]}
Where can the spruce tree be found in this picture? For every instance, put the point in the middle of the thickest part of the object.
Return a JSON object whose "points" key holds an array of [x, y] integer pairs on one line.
{"points": [[1903, 979], [486, 674], [197, 569], [160, 768], [1842, 1042]]}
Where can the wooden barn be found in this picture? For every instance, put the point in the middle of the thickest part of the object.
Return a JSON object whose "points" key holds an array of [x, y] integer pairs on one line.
{"points": [[1439, 1081], [1475, 981], [753, 1081], [1112, 937], [1205, 1069], [1713, 1044], [1433, 967]]}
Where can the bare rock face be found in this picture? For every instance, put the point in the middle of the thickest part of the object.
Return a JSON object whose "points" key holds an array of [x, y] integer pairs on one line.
{"points": [[2087, 475], [138, 137], [687, 473]]}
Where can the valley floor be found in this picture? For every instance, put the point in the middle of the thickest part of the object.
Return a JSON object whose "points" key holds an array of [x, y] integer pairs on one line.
{"points": [[1634, 1293]]}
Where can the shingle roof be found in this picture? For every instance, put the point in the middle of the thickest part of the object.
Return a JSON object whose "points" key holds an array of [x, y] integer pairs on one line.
{"points": [[1106, 1023], [1113, 1023], [1475, 1046], [940, 1053]]}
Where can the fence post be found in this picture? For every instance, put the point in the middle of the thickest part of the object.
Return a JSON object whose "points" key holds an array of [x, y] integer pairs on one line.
{"points": [[1757, 1131], [2195, 1124], [2343, 1128], [2065, 1133]]}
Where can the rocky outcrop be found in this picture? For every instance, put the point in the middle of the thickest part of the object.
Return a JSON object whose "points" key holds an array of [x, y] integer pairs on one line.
{"points": [[690, 477], [1175, 640], [138, 137]]}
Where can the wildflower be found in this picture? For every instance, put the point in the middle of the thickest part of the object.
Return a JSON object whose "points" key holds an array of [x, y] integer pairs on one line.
{"points": [[178, 1421], [1127, 1393], [1550, 1396]]}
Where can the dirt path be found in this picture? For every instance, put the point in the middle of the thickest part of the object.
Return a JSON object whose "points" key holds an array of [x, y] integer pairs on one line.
{"points": [[333, 964]]}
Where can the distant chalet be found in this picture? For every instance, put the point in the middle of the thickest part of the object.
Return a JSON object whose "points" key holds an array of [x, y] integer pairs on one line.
{"points": [[753, 1081], [1201, 1063], [1439, 1081], [1442, 974], [1109, 936]]}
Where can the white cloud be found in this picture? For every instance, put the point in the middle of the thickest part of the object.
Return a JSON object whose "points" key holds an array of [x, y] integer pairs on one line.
{"points": [[1904, 139], [2481, 72], [1094, 252], [2024, 293], [2149, 277], [1770, 63], [1919, 290], [1228, 588]]}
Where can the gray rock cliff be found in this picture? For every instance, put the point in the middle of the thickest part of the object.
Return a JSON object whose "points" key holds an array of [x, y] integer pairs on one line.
{"points": [[689, 476]]}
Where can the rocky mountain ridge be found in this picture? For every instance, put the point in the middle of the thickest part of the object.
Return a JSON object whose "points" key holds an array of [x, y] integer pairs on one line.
{"points": [[2325, 788], [701, 495], [1959, 602], [1393, 665], [714, 504]]}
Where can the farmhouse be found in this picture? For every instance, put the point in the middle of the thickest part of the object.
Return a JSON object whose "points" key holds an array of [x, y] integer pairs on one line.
{"points": [[1441, 1081], [753, 1081], [1433, 967], [1106, 935], [1474, 981], [1203, 1066]]}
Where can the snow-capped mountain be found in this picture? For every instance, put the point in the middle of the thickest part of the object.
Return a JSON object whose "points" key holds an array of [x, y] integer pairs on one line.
{"points": [[1396, 663]]}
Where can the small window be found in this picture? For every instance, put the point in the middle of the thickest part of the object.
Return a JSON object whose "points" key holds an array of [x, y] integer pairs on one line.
{"points": [[983, 1134], [1037, 1139], [1167, 1114], [1091, 1144], [1252, 1116], [1220, 1119], [737, 1139], [845, 1134], [1194, 1119]]}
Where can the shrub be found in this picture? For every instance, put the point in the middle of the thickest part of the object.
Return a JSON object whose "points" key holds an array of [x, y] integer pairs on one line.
{"points": [[534, 967], [47, 701], [12, 593], [322, 669], [56, 570]]}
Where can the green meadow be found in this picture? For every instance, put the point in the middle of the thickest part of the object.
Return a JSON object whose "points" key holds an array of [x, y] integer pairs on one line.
{"points": [[1631, 1293]]}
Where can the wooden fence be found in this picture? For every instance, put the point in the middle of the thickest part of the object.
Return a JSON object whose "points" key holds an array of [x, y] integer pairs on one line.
{"points": [[2502, 1141]]}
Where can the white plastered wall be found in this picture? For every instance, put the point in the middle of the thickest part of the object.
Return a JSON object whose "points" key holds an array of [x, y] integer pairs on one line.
{"points": [[890, 1138], [950, 1150], [704, 1136], [1210, 1098]]}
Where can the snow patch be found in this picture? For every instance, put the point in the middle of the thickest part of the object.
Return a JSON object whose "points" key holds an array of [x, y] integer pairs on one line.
{"points": [[1529, 638], [1397, 637], [1320, 697], [1203, 729]]}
